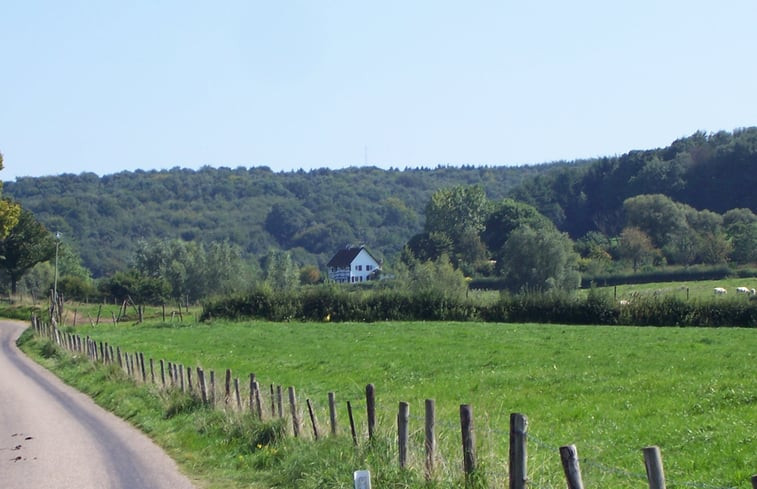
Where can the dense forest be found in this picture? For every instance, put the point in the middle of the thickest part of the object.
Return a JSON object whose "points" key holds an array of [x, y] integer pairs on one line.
{"points": [[314, 213], [715, 172]]}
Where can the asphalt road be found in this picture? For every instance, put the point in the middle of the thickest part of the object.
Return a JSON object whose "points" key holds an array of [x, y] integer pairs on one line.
{"points": [[52, 436]]}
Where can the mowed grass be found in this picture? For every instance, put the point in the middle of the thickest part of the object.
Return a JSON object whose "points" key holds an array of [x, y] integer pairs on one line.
{"points": [[609, 390]]}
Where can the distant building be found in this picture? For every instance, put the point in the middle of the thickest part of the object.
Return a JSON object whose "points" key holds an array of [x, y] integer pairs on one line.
{"points": [[353, 265]]}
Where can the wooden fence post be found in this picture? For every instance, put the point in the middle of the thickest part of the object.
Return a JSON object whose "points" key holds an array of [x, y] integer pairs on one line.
{"points": [[332, 412], [569, 457], [252, 393], [152, 371], [280, 401], [312, 419], [162, 373], [295, 414], [370, 406], [430, 442], [402, 421], [212, 395], [237, 397], [352, 423], [189, 379], [518, 452], [653, 464], [273, 401], [469, 440], [227, 388], [201, 384], [754, 481], [258, 405]]}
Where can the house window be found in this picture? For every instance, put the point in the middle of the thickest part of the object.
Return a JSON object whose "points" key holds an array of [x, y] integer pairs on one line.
{"points": [[359, 268], [368, 268]]}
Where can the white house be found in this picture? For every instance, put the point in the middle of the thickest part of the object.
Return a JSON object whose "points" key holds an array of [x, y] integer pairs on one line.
{"points": [[353, 265]]}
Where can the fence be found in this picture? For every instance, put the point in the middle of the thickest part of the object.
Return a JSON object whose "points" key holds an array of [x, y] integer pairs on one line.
{"points": [[169, 375]]}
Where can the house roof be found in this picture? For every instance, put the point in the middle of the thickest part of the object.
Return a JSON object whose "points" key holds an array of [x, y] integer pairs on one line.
{"points": [[345, 256]]}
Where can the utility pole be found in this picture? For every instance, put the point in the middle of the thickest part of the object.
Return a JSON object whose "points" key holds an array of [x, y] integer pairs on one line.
{"points": [[58, 236]]}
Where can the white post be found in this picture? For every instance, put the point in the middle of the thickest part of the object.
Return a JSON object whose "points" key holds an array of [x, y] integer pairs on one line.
{"points": [[362, 479]]}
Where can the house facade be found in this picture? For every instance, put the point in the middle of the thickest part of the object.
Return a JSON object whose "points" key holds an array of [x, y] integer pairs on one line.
{"points": [[353, 265]]}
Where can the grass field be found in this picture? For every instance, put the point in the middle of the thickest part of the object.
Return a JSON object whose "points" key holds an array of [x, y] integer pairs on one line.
{"points": [[684, 290], [608, 390]]}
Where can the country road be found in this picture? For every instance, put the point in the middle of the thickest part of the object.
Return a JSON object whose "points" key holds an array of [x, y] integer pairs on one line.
{"points": [[52, 436]]}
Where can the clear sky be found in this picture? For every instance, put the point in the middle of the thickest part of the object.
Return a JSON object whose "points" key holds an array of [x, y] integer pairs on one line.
{"points": [[106, 86]]}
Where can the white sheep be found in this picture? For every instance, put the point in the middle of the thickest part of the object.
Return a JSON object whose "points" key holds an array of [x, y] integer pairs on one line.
{"points": [[743, 290], [719, 291]]}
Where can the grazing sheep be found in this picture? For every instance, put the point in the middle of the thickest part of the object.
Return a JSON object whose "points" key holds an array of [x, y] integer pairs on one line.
{"points": [[719, 291], [624, 302], [743, 290]]}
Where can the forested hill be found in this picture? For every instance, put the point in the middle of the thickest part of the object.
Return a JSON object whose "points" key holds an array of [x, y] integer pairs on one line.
{"points": [[311, 213], [717, 172], [315, 213]]}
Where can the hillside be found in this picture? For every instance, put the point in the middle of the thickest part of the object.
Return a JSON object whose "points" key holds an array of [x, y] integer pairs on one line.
{"points": [[310, 213], [716, 172], [317, 212]]}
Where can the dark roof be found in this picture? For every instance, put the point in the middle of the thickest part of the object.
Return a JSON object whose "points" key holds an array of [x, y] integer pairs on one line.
{"points": [[344, 257]]}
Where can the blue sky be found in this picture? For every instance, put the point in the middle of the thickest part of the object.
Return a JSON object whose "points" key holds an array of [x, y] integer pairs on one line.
{"points": [[109, 86]]}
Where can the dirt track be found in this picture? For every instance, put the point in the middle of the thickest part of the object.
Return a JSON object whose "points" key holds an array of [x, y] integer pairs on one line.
{"points": [[52, 436]]}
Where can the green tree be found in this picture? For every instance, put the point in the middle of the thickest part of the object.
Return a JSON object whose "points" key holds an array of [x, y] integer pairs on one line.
{"points": [[140, 288], [741, 229], [10, 211], [27, 244], [37, 281], [459, 213], [280, 271], [635, 246], [539, 259], [506, 216], [743, 238], [657, 215], [192, 270], [430, 246], [432, 278]]}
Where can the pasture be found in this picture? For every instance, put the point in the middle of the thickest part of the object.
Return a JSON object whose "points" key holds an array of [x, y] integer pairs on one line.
{"points": [[608, 390], [699, 290]]}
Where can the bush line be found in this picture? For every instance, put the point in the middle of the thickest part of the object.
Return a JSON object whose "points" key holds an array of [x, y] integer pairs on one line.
{"points": [[339, 305]]}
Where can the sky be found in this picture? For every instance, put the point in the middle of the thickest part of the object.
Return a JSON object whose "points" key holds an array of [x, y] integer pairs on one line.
{"points": [[105, 86]]}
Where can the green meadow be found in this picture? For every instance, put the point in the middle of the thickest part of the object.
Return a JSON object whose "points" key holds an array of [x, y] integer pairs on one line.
{"points": [[609, 390]]}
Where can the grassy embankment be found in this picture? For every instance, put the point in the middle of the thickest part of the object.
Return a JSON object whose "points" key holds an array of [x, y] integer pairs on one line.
{"points": [[609, 390]]}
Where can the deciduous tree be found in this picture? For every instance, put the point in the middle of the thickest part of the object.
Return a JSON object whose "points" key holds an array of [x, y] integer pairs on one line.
{"points": [[27, 244], [539, 259]]}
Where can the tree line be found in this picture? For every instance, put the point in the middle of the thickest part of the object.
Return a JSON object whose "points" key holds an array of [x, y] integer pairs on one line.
{"points": [[185, 235]]}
